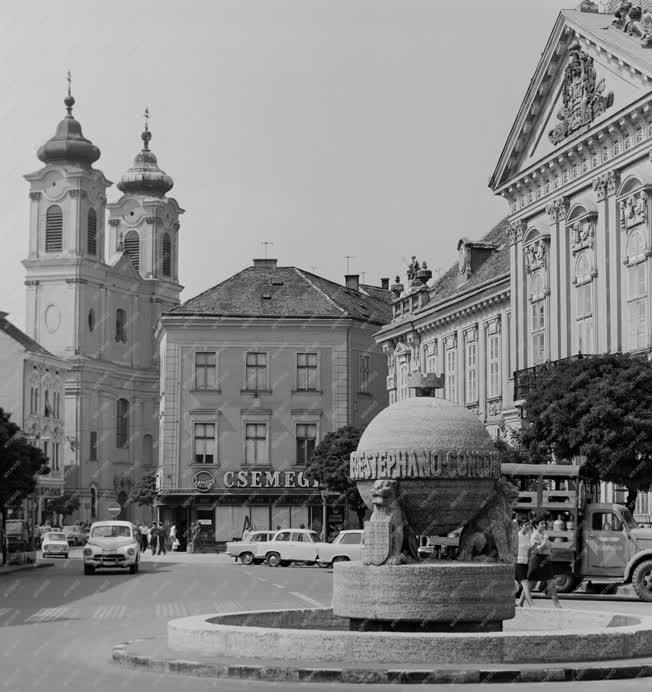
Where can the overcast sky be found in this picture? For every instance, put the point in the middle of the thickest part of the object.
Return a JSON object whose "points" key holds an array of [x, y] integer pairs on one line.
{"points": [[329, 127]]}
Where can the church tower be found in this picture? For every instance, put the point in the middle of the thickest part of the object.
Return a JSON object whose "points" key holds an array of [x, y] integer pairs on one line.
{"points": [[144, 223], [94, 298]]}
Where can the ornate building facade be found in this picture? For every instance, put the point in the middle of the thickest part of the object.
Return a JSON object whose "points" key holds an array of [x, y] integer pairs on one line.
{"points": [[254, 373], [94, 298], [33, 392]]}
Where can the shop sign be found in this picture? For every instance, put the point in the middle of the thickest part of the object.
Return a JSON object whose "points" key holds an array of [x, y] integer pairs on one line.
{"points": [[203, 481], [267, 479]]}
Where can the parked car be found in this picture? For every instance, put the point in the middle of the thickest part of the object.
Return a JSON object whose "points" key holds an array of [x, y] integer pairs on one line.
{"points": [[112, 545], [346, 546], [251, 550], [292, 545], [54, 543], [74, 535]]}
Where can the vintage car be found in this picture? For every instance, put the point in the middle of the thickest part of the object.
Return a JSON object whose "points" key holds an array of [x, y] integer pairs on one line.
{"points": [[112, 545], [292, 545], [346, 546], [54, 543], [251, 550]]}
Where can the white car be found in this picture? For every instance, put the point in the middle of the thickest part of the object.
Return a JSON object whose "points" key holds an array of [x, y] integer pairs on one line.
{"points": [[112, 545], [54, 543], [346, 546], [292, 545], [252, 550]]}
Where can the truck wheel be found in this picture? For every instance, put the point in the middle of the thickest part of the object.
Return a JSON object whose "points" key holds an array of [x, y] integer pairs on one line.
{"points": [[565, 582], [273, 559], [340, 558], [286, 563], [246, 558], [642, 580]]}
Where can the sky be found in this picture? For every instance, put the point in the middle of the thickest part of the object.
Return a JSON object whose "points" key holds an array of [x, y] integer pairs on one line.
{"points": [[366, 128]]}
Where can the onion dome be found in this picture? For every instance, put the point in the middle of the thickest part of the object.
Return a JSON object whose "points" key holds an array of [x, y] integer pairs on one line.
{"points": [[69, 144], [145, 177]]}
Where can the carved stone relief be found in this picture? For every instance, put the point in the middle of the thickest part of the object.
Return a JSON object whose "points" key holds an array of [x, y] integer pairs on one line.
{"points": [[558, 209], [582, 234], [516, 230], [633, 210], [606, 184], [535, 255]]}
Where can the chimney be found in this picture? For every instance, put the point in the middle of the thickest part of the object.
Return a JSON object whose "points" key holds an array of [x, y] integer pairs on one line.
{"points": [[352, 281], [265, 263], [384, 283]]}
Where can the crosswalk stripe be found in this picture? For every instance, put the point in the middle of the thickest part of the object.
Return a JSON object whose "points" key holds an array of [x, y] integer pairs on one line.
{"points": [[5, 612], [48, 614], [112, 612], [171, 610]]}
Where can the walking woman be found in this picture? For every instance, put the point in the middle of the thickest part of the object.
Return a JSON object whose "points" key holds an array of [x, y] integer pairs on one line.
{"points": [[540, 562], [522, 559]]}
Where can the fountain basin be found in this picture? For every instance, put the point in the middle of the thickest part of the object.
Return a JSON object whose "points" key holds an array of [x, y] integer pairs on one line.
{"points": [[537, 635]]}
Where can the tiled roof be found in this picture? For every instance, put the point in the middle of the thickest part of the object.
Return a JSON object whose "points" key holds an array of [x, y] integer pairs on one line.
{"points": [[264, 291], [17, 335], [494, 265]]}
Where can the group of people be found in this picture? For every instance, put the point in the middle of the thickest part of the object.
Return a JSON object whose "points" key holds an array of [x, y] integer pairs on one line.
{"points": [[534, 561], [159, 537]]}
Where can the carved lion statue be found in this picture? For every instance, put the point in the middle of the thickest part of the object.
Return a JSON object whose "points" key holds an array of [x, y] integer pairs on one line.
{"points": [[489, 536], [387, 509]]}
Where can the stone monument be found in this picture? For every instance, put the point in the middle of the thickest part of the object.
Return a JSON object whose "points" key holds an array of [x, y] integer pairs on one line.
{"points": [[426, 466]]}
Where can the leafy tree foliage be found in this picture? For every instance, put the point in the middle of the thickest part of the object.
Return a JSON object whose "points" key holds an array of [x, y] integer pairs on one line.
{"points": [[598, 408], [66, 504], [20, 465], [144, 491], [330, 467]]}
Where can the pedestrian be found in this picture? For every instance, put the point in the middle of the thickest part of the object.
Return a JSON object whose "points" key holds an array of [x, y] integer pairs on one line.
{"points": [[174, 543], [194, 533], [522, 560], [162, 540], [153, 537], [540, 560], [143, 537]]}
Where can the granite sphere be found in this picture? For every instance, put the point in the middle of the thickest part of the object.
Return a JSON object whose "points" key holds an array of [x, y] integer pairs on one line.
{"points": [[440, 453]]}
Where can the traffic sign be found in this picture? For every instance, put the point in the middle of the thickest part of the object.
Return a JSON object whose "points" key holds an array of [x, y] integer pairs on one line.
{"points": [[114, 508]]}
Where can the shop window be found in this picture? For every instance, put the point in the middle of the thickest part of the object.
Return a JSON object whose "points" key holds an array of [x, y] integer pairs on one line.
{"points": [[306, 435], [256, 372], [205, 370], [255, 443], [204, 443]]}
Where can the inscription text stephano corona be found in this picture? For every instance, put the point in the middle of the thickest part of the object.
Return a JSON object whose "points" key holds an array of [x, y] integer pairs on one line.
{"points": [[441, 463]]}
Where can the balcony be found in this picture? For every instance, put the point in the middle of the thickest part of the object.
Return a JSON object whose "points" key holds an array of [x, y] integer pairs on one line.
{"points": [[527, 379]]}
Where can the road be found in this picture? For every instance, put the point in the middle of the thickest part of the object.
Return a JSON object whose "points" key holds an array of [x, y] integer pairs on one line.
{"points": [[57, 627]]}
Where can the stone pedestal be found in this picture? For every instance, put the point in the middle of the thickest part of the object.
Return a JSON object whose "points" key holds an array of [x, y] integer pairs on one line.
{"points": [[427, 597]]}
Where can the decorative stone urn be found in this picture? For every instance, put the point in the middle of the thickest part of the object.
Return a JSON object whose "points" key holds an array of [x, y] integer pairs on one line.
{"points": [[426, 467]]}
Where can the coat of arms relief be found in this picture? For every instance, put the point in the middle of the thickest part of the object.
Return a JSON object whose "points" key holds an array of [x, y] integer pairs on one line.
{"points": [[583, 95]]}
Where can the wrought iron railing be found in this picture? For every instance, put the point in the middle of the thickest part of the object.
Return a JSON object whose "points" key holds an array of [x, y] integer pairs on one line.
{"points": [[526, 380]]}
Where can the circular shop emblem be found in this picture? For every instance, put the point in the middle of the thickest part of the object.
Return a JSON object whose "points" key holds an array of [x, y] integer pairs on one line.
{"points": [[203, 481]]}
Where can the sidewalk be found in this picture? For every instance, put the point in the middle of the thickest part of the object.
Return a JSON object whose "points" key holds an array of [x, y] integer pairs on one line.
{"points": [[9, 569]]}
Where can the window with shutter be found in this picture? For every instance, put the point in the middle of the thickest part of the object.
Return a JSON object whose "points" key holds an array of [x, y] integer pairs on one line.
{"points": [[167, 255], [54, 229], [132, 248], [92, 232]]}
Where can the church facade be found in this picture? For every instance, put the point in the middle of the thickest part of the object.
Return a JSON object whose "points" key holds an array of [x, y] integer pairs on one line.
{"points": [[98, 276]]}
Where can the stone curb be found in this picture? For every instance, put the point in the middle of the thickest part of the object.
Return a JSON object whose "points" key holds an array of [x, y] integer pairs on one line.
{"points": [[295, 673], [10, 569]]}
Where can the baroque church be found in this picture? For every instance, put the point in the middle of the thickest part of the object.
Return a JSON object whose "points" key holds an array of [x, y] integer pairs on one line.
{"points": [[98, 276]]}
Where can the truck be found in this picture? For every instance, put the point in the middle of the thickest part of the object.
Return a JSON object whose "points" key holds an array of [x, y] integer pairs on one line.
{"points": [[594, 542]]}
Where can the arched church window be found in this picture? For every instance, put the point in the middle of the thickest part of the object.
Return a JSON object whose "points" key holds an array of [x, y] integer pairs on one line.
{"points": [[92, 232], [584, 301], [122, 424], [54, 229], [637, 291], [167, 254], [132, 248], [121, 325], [91, 320]]}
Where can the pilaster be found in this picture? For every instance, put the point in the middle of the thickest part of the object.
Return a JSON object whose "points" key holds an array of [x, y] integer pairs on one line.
{"points": [[557, 212], [519, 295]]}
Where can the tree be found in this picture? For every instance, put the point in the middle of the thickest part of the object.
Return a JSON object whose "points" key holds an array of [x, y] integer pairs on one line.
{"points": [[144, 491], [65, 504], [329, 466], [598, 408], [20, 465]]}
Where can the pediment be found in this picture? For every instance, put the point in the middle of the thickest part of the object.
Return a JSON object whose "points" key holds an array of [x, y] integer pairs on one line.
{"points": [[581, 81], [122, 266]]}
